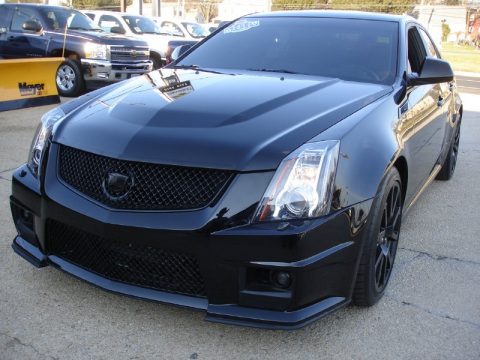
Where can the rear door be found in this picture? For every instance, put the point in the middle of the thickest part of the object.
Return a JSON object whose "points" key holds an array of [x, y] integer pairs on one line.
{"points": [[22, 43], [426, 105]]}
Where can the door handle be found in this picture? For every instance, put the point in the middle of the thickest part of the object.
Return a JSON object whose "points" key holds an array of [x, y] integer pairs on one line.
{"points": [[440, 101], [10, 38]]}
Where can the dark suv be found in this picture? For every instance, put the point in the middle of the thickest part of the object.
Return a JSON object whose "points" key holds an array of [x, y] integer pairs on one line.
{"points": [[92, 57]]}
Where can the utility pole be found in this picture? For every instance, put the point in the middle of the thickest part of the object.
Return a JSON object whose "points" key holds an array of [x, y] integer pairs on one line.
{"points": [[123, 5], [156, 8]]}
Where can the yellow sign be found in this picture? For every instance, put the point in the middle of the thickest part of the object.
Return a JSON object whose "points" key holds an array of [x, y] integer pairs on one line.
{"points": [[23, 79]]}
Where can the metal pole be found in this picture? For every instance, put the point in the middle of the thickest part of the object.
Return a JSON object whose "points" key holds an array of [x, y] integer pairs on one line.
{"points": [[123, 5], [156, 8]]}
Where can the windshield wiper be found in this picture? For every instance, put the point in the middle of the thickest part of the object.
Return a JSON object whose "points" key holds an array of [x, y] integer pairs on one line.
{"points": [[195, 67], [285, 71]]}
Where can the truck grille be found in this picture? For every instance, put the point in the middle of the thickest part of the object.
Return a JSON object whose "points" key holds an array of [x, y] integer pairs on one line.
{"points": [[129, 263], [129, 54], [146, 186]]}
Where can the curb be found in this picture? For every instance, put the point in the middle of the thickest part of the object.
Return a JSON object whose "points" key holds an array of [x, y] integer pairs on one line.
{"points": [[465, 73]]}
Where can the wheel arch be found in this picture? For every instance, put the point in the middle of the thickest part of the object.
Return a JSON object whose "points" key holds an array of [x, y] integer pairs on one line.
{"points": [[68, 54], [401, 165]]}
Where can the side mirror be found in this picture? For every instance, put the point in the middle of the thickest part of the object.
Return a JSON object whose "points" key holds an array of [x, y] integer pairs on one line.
{"points": [[179, 51], [32, 25], [433, 71], [117, 30]]}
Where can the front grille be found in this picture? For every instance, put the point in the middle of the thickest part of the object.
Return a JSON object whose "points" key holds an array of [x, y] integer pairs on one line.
{"points": [[130, 263], [129, 54], [151, 186]]}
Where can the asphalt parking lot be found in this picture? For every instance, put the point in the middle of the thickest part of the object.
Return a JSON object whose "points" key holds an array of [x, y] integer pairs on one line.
{"points": [[431, 309]]}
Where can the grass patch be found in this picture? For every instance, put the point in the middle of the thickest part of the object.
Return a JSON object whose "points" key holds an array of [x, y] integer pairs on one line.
{"points": [[462, 57]]}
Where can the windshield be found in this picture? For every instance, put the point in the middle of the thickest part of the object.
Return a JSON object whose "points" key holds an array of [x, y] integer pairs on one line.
{"points": [[195, 30], [56, 18], [141, 25], [348, 49]]}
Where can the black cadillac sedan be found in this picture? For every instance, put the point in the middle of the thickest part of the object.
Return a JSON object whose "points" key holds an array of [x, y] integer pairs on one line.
{"points": [[261, 177]]}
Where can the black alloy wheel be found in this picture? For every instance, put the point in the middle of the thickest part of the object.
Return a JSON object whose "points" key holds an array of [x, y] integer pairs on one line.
{"points": [[448, 167], [380, 241], [387, 241]]}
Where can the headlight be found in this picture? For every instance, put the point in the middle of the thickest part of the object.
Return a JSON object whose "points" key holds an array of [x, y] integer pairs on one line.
{"points": [[303, 184], [41, 137], [95, 51]]}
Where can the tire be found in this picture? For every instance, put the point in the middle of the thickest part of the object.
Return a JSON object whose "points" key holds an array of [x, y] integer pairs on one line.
{"points": [[450, 162], [381, 241], [69, 78], [157, 62]]}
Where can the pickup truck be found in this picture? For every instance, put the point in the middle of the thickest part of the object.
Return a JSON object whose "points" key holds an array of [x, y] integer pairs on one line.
{"points": [[93, 57]]}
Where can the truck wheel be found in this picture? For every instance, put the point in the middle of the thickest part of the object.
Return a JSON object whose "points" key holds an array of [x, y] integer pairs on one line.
{"points": [[69, 78]]}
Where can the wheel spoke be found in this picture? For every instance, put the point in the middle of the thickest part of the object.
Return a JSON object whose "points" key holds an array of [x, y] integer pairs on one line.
{"points": [[385, 272]]}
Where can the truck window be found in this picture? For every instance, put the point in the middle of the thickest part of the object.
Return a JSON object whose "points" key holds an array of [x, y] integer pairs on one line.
{"points": [[169, 28], [21, 15], [107, 22], [3, 18]]}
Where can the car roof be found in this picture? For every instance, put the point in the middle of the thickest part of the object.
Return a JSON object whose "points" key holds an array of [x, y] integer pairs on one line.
{"points": [[340, 14], [36, 5]]}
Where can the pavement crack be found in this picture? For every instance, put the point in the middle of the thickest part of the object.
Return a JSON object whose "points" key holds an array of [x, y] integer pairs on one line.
{"points": [[18, 341], [434, 313], [438, 257], [5, 179], [3, 171]]}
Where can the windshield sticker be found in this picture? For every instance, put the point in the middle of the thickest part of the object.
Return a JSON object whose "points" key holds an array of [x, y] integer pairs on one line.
{"points": [[241, 25]]}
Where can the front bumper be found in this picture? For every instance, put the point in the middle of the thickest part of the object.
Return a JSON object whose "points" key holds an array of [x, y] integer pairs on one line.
{"points": [[97, 72], [321, 255]]}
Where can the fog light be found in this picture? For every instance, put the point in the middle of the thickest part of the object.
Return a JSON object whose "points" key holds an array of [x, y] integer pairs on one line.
{"points": [[282, 279], [102, 75]]}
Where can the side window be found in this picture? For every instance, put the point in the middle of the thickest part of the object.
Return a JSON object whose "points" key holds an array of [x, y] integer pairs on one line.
{"points": [[20, 16], [416, 50], [3, 18], [90, 15], [431, 50], [107, 22], [171, 28]]}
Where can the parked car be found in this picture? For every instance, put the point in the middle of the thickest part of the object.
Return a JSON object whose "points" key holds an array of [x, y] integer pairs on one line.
{"points": [[182, 29], [92, 57], [137, 26], [261, 177]]}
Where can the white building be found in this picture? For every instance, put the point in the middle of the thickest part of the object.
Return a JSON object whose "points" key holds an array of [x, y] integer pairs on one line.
{"points": [[232, 9], [432, 16]]}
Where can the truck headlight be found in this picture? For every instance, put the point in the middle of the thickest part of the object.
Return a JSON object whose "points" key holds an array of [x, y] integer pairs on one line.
{"points": [[40, 139], [95, 51], [302, 186]]}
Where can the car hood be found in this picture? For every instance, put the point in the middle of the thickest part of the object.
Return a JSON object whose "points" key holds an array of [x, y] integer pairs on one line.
{"points": [[101, 37], [242, 122]]}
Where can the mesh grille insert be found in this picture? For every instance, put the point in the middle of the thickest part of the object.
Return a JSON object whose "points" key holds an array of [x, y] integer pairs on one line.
{"points": [[149, 186], [130, 263]]}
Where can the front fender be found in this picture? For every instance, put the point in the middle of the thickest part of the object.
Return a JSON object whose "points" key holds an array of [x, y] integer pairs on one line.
{"points": [[371, 141]]}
